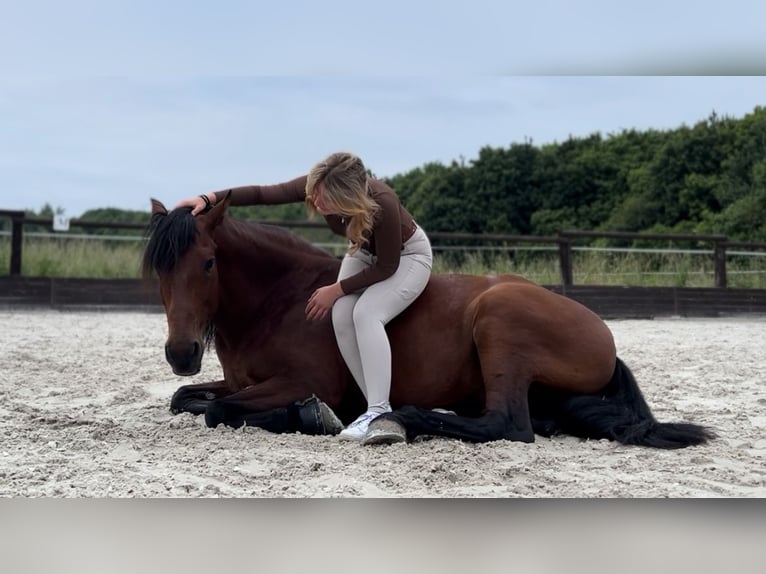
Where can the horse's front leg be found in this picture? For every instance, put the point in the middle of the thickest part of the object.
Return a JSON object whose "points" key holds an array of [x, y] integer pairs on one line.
{"points": [[195, 398], [276, 406]]}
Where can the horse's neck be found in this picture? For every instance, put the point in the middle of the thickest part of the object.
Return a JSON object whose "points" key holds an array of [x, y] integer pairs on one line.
{"points": [[259, 268]]}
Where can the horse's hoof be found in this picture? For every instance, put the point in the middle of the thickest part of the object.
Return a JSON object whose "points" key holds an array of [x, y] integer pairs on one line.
{"points": [[193, 406], [384, 431], [331, 423], [318, 418], [215, 414]]}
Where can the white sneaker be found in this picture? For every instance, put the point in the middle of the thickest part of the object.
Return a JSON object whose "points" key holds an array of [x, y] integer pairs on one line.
{"points": [[357, 429]]}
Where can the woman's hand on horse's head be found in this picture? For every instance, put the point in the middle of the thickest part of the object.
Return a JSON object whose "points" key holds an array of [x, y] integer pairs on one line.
{"points": [[322, 300], [197, 204]]}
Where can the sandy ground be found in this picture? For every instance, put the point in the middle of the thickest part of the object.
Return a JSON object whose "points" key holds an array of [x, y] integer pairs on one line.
{"points": [[84, 413]]}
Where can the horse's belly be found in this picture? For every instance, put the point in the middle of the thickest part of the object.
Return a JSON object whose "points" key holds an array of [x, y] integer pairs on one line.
{"points": [[427, 378]]}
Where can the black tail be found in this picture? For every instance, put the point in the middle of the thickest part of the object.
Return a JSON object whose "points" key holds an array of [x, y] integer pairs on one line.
{"points": [[620, 413]]}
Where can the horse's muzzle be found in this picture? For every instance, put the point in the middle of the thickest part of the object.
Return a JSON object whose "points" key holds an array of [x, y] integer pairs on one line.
{"points": [[184, 359]]}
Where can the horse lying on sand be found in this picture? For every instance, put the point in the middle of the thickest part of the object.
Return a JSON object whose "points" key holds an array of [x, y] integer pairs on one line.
{"points": [[510, 358]]}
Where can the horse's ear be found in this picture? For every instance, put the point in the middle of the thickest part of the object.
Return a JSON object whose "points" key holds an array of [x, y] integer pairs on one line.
{"points": [[213, 217], [158, 208]]}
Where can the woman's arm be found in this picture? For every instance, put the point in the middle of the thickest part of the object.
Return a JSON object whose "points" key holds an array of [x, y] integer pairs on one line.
{"points": [[292, 191], [388, 246]]}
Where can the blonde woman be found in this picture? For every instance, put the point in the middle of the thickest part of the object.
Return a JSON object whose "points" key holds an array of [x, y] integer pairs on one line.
{"points": [[387, 265]]}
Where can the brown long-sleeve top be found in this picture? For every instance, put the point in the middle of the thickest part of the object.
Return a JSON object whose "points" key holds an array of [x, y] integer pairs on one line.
{"points": [[393, 224]]}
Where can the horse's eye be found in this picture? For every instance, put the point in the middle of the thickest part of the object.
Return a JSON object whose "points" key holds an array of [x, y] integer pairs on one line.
{"points": [[209, 264]]}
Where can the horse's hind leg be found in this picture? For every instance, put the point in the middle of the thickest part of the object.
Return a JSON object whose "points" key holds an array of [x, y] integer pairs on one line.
{"points": [[507, 395], [504, 370], [195, 398], [506, 407], [492, 425]]}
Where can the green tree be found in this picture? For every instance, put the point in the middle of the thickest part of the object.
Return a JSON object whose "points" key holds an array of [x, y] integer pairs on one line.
{"points": [[502, 190]]}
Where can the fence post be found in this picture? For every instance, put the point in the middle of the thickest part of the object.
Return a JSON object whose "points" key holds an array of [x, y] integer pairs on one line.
{"points": [[17, 225], [565, 262], [719, 255]]}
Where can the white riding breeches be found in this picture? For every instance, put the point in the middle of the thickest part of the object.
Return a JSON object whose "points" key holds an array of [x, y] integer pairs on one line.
{"points": [[359, 318]]}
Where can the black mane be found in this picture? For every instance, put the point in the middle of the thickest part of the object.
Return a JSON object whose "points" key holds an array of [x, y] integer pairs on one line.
{"points": [[169, 236]]}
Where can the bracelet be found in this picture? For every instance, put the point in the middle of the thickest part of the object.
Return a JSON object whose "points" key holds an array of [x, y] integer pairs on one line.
{"points": [[208, 205]]}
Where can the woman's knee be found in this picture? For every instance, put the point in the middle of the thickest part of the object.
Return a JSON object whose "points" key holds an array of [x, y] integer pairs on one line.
{"points": [[367, 312], [343, 314]]}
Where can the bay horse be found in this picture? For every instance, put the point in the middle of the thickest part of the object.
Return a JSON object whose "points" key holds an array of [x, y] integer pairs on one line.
{"points": [[508, 357]]}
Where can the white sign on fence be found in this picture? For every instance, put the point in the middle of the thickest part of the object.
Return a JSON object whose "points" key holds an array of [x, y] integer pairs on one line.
{"points": [[60, 222]]}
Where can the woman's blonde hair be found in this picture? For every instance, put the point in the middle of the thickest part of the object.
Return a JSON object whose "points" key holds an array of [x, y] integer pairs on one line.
{"points": [[345, 187]]}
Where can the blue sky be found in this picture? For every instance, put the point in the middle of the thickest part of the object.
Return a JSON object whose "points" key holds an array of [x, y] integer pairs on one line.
{"points": [[106, 104]]}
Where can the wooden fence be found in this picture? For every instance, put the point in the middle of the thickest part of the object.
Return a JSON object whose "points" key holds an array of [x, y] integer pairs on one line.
{"points": [[607, 301], [564, 241]]}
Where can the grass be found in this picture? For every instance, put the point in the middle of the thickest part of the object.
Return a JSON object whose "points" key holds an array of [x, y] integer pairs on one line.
{"points": [[121, 259], [611, 268], [76, 258]]}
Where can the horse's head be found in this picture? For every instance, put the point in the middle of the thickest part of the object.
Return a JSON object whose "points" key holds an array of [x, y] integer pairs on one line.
{"points": [[181, 251]]}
